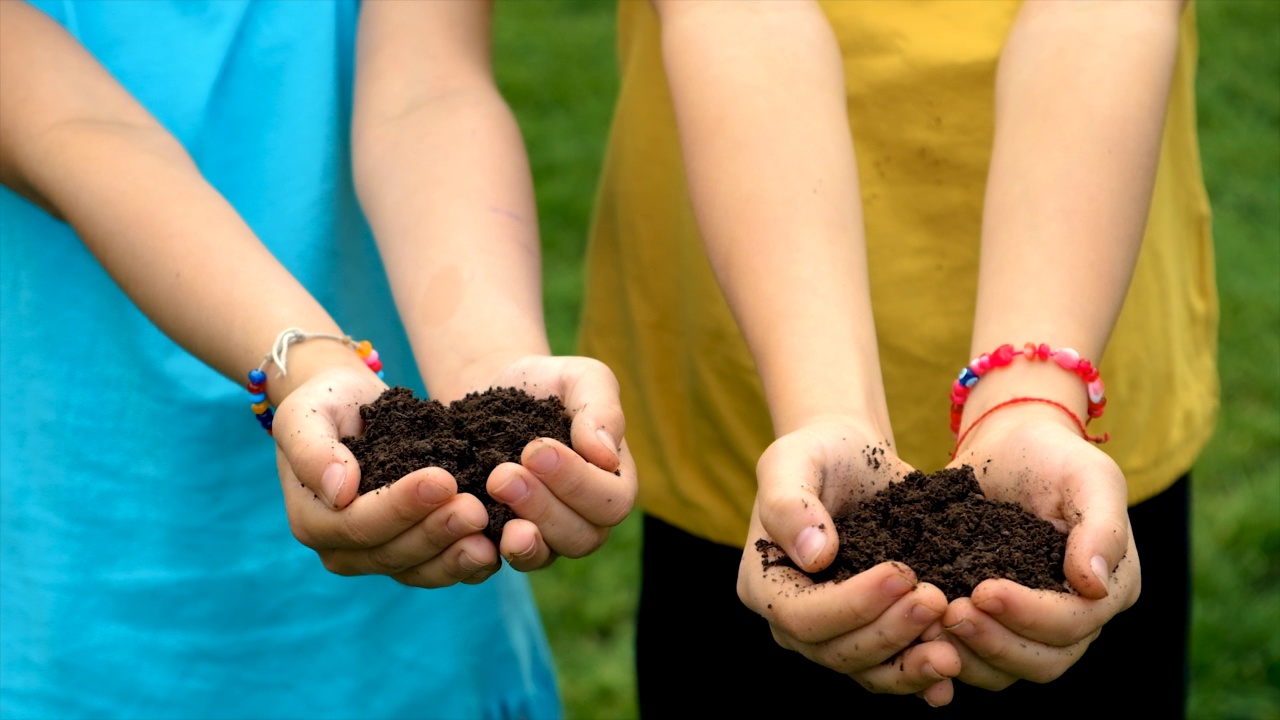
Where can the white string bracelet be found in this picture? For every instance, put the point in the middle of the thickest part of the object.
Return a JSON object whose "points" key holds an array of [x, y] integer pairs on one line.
{"points": [[279, 355]]}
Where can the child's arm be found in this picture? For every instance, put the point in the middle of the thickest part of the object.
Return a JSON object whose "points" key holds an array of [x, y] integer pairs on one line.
{"points": [[1080, 105], [760, 102], [442, 175], [75, 142]]}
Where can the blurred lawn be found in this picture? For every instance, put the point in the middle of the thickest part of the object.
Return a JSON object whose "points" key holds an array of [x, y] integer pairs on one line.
{"points": [[556, 64]]}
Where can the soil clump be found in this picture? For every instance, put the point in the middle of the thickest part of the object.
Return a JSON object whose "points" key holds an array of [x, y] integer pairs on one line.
{"points": [[468, 437], [943, 528]]}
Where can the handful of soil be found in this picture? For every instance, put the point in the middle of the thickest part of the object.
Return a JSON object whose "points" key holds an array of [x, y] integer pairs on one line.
{"points": [[948, 532], [468, 438]]}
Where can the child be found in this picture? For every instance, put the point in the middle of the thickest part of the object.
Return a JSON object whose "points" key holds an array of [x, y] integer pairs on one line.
{"points": [[1009, 161]]}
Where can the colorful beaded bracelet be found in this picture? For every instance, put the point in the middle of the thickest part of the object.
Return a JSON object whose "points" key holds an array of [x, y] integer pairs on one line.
{"points": [[1066, 358], [257, 385]]}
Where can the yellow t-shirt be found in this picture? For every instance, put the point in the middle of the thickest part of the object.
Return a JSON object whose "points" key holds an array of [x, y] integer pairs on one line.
{"points": [[920, 80]]}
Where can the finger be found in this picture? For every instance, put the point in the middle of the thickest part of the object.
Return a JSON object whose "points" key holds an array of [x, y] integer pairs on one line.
{"points": [[913, 670], [460, 517], [523, 547], [471, 560], [373, 518], [938, 694], [975, 671], [790, 477], [1095, 503], [805, 612], [1006, 652], [1057, 619], [868, 646], [309, 436], [563, 529], [592, 398], [600, 497]]}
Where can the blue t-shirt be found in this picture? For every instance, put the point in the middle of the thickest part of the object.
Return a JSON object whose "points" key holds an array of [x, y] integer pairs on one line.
{"points": [[146, 565]]}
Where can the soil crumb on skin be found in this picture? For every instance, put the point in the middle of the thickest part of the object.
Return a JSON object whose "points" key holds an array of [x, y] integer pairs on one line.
{"points": [[948, 532], [468, 437]]}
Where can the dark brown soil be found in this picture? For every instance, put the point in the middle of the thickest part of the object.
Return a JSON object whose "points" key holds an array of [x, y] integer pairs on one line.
{"points": [[468, 437], [948, 532]]}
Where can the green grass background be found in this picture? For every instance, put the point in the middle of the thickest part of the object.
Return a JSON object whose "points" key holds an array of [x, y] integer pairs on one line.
{"points": [[556, 65]]}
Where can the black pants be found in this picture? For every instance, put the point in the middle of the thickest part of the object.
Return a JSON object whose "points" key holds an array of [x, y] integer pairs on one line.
{"points": [[700, 650]]}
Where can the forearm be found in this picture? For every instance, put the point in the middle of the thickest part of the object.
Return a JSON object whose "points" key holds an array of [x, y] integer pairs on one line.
{"points": [[1080, 104], [74, 141], [760, 100], [442, 175]]}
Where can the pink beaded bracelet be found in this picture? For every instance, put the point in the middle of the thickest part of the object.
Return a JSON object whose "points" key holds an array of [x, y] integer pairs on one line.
{"points": [[1066, 358], [257, 385]]}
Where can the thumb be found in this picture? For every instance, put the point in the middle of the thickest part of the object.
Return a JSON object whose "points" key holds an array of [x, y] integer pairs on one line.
{"points": [[309, 440], [790, 477], [1098, 505]]}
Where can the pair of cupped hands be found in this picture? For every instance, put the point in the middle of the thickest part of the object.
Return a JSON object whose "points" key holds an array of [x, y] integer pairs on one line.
{"points": [[894, 634], [420, 530], [882, 627]]}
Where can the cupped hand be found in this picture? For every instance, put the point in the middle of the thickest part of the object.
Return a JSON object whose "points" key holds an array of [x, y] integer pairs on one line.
{"points": [[1034, 456], [419, 530], [566, 499], [868, 626]]}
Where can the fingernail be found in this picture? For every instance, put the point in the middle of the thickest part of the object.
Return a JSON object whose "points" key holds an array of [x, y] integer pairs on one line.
{"points": [[432, 494], [607, 439], [468, 563], [928, 670], [990, 606], [457, 527], [514, 491], [1099, 566], [543, 460], [895, 586], [809, 544], [335, 476], [921, 614], [527, 552], [964, 629]]}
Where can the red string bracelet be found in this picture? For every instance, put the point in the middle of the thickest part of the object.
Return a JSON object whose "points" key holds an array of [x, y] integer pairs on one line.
{"points": [[257, 385], [1066, 358], [1018, 400]]}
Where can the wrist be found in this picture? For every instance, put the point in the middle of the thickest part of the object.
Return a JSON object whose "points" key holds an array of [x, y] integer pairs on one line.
{"points": [[1026, 379], [305, 361], [1036, 375]]}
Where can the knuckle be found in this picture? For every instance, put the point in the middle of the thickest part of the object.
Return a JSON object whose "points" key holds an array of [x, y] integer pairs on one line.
{"points": [[615, 512], [384, 560], [996, 653], [334, 563], [354, 531], [871, 683], [405, 513], [585, 543], [832, 655], [1046, 673], [420, 579], [796, 627], [300, 532]]}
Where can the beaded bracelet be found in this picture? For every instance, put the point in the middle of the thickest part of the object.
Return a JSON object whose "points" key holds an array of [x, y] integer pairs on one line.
{"points": [[257, 385], [1066, 358]]}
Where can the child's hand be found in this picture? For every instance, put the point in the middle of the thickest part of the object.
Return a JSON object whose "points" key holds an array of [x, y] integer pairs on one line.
{"points": [[419, 530], [860, 624], [566, 499], [1006, 632]]}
